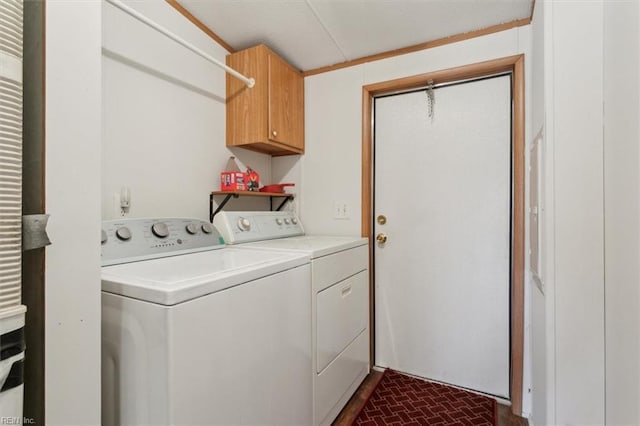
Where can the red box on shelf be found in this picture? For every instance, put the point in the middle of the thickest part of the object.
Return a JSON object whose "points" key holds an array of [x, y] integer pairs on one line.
{"points": [[233, 181]]}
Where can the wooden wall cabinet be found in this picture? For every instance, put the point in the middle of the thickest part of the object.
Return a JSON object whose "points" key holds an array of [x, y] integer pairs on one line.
{"points": [[269, 117]]}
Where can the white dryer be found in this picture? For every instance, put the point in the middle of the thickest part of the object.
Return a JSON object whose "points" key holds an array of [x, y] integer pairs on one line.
{"points": [[194, 333], [340, 299]]}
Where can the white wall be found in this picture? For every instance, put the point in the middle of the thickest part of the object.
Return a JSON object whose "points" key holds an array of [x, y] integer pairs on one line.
{"points": [[72, 277], [574, 137], [330, 169], [286, 170], [622, 215], [540, 393], [164, 117]]}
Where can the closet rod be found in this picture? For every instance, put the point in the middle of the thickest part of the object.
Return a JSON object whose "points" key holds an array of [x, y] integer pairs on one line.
{"points": [[250, 82]]}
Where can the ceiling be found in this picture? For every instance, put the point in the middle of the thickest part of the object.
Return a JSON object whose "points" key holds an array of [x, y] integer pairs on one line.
{"points": [[314, 33]]}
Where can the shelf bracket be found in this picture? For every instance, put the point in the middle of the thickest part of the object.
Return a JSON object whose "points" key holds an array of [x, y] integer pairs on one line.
{"points": [[212, 213], [287, 198], [227, 197]]}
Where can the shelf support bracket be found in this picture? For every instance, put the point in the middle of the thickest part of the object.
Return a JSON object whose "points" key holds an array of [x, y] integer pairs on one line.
{"points": [[227, 197], [212, 213], [287, 198]]}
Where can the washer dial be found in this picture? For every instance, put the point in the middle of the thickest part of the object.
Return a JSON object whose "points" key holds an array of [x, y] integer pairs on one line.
{"points": [[160, 230], [123, 233], [192, 228], [244, 224]]}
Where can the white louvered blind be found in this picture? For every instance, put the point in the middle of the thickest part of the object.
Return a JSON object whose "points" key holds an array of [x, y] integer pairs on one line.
{"points": [[10, 151]]}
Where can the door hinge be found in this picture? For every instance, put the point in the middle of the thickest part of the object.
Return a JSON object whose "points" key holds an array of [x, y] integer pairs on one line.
{"points": [[34, 231]]}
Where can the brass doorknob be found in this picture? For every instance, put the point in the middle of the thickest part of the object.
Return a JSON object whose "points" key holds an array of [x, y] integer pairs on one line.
{"points": [[381, 238]]}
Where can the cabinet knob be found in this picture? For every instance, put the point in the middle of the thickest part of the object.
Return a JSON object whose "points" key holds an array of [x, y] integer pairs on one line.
{"points": [[274, 133]]}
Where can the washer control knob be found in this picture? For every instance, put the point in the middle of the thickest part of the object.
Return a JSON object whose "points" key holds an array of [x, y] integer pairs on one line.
{"points": [[123, 233], [279, 221], [191, 228], [103, 237], [286, 221], [244, 224], [294, 220], [207, 228], [160, 230]]}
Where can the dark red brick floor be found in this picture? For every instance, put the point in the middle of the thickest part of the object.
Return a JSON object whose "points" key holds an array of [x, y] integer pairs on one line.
{"points": [[350, 411]]}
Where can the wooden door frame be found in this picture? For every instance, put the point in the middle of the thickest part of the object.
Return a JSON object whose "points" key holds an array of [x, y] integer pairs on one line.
{"points": [[515, 65], [34, 202]]}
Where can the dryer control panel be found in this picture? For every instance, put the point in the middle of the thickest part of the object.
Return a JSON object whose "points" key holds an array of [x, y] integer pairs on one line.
{"points": [[243, 227], [129, 240]]}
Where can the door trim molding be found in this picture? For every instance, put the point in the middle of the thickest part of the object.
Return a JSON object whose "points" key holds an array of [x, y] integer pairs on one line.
{"points": [[514, 64]]}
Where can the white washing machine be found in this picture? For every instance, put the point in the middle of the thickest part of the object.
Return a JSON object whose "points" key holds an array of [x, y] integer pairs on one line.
{"points": [[194, 333], [340, 299]]}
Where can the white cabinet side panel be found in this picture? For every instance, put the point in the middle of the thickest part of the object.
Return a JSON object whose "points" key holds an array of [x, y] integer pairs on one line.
{"points": [[579, 234], [622, 233], [72, 277]]}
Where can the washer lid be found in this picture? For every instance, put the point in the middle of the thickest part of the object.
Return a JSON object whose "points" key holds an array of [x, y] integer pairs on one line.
{"points": [[172, 280], [314, 245]]}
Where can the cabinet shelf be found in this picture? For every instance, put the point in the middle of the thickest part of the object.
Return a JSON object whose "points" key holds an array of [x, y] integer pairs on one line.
{"points": [[235, 194]]}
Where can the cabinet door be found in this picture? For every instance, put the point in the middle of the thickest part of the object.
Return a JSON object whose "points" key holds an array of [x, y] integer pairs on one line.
{"points": [[286, 104]]}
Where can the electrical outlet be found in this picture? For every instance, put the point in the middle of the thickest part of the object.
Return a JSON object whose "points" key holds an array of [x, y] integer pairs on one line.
{"points": [[119, 209], [340, 210]]}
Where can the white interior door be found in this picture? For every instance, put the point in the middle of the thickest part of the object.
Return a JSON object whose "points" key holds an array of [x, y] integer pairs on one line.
{"points": [[442, 279]]}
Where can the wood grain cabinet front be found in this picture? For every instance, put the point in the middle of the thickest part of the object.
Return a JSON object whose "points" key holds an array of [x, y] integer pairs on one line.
{"points": [[269, 117]]}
